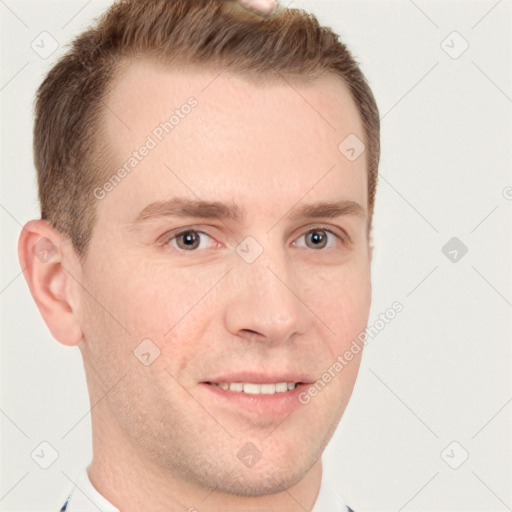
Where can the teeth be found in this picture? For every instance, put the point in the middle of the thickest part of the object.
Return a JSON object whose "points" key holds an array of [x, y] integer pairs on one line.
{"points": [[257, 389], [283, 386], [253, 389]]}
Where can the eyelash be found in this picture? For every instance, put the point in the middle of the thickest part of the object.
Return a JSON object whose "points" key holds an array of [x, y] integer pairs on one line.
{"points": [[344, 239]]}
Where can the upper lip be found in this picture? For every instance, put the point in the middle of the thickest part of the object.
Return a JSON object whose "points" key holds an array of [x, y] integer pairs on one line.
{"points": [[262, 378]]}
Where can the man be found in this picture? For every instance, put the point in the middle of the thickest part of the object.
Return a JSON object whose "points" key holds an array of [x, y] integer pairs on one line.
{"points": [[207, 179]]}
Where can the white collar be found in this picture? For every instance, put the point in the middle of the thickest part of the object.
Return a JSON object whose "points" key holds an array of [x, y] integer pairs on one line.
{"points": [[328, 499], [85, 498]]}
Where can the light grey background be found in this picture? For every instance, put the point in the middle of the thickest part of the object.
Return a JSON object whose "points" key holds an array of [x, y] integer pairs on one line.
{"points": [[439, 372]]}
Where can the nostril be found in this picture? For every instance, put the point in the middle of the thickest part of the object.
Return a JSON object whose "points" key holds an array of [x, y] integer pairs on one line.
{"points": [[250, 331]]}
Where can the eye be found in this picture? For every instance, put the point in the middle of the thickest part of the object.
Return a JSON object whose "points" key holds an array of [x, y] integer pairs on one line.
{"points": [[191, 240], [318, 238], [188, 240]]}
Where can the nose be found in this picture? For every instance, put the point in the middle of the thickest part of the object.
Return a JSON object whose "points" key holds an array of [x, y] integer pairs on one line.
{"points": [[265, 301]]}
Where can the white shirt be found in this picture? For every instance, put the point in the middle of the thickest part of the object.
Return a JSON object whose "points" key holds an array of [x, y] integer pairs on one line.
{"points": [[85, 498]]}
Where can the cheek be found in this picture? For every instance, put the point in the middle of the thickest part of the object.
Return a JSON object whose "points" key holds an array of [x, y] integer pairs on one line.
{"points": [[354, 298], [344, 307], [148, 300], [341, 297]]}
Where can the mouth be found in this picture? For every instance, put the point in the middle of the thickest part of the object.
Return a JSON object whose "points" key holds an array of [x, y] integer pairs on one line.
{"points": [[254, 388], [256, 394]]}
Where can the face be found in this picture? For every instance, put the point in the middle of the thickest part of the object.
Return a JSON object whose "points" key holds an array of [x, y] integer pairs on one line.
{"points": [[266, 284]]}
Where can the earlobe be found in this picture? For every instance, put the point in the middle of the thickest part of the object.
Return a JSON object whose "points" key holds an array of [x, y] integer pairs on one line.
{"points": [[47, 258]]}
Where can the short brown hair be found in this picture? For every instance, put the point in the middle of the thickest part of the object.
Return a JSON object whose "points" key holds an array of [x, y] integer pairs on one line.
{"points": [[210, 33]]}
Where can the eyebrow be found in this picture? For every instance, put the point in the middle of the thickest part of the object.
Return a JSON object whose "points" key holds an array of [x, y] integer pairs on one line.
{"points": [[181, 207]]}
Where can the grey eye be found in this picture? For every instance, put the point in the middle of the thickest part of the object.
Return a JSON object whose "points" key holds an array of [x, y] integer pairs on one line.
{"points": [[318, 239]]}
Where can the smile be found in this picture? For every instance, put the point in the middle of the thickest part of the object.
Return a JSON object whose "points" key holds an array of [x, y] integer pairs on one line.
{"points": [[256, 389]]}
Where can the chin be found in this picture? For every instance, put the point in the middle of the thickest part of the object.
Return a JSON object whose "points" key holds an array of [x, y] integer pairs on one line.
{"points": [[266, 481]]}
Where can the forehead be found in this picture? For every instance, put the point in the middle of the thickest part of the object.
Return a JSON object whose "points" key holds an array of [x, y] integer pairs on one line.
{"points": [[216, 135]]}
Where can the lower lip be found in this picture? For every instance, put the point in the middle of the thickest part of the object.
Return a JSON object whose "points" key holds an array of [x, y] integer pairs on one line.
{"points": [[278, 404]]}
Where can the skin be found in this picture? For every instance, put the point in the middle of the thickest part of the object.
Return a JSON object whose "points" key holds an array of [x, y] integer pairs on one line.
{"points": [[160, 441], [261, 7]]}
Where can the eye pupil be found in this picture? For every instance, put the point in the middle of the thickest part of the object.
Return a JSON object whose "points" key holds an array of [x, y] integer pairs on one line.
{"points": [[318, 238], [190, 240]]}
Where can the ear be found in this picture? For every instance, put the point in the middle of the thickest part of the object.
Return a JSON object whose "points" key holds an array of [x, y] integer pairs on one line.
{"points": [[52, 271]]}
